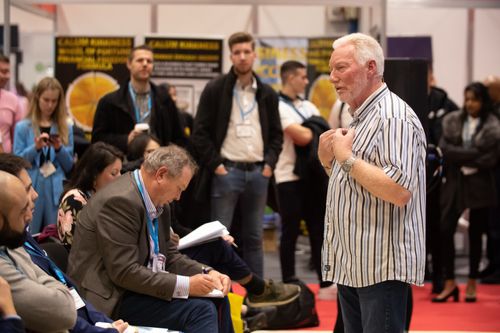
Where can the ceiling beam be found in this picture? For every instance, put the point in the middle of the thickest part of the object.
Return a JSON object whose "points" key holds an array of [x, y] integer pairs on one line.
{"points": [[28, 7], [213, 2]]}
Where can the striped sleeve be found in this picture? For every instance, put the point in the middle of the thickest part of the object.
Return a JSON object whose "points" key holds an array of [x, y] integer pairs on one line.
{"points": [[399, 151]]}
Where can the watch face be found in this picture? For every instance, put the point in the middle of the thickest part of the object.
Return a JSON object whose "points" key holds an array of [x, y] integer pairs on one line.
{"points": [[347, 165]]}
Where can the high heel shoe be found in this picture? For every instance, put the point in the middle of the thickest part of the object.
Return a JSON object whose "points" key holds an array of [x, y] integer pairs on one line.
{"points": [[470, 291], [470, 298], [453, 293]]}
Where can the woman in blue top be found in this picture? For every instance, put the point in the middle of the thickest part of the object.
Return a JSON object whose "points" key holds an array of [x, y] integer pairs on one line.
{"points": [[45, 139]]}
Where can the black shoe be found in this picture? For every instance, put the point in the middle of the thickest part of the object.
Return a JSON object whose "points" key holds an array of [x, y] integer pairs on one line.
{"points": [[453, 293], [470, 298]]}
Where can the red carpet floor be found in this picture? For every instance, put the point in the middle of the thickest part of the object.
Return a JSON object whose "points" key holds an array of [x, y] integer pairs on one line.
{"points": [[482, 316]]}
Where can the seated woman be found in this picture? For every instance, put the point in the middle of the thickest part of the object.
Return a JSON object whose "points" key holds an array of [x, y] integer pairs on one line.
{"points": [[138, 149], [100, 164]]}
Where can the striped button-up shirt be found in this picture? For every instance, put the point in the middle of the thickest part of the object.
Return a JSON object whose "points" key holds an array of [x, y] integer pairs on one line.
{"points": [[368, 240]]}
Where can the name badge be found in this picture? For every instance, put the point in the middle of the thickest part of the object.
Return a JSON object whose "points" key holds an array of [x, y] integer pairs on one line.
{"points": [[244, 131], [79, 303], [47, 169], [159, 263]]}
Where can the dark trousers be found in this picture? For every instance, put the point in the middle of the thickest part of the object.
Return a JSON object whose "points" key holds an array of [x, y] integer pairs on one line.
{"points": [[191, 315], [433, 240], [375, 309], [295, 204], [478, 225], [493, 246], [221, 256]]}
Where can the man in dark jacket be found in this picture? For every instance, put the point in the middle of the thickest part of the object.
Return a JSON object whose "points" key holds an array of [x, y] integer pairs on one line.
{"points": [[301, 197], [137, 101], [237, 137]]}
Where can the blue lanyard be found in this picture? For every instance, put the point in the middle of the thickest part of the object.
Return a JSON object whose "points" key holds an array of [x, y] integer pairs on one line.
{"points": [[293, 107], [243, 112], [55, 269], [152, 225], [137, 111]]}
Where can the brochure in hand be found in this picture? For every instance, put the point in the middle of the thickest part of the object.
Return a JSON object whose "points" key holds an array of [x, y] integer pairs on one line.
{"points": [[204, 233]]}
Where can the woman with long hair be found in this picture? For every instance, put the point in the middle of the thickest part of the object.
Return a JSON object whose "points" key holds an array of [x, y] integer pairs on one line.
{"points": [[470, 149], [138, 149], [45, 139], [100, 164]]}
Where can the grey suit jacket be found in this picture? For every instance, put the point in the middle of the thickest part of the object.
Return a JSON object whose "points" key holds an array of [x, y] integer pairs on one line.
{"points": [[111, 249], [44, 304]]}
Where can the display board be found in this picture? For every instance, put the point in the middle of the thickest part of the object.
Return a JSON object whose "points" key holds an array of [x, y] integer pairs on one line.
{"points": [[88, 68]]}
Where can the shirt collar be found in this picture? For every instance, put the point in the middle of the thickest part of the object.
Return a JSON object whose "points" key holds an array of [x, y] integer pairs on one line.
{"points": [[287, 98], [370, 101], [252, 86], [153, 212]]}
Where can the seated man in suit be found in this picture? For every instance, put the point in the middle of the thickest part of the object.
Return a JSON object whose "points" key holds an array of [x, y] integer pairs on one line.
{"points": [[122, 258], [44, 303], [87, 315]]}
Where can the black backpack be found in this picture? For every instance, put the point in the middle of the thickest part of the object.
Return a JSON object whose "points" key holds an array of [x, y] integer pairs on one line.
{"points": [[301, 312]]}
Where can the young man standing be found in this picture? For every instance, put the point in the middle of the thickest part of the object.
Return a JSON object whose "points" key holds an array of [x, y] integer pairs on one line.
{"points": [[138, 101], [237, 136], [301, 193]]}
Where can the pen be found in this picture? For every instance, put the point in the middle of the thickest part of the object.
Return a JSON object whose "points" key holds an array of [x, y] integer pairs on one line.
{"points": [[204, 270]]}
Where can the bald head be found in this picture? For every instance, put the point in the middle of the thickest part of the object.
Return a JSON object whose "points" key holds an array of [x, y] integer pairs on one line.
{"points": [[14, 191], [14, 203]]}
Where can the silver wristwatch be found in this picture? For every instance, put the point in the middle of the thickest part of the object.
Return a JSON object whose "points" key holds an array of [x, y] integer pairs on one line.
{"points": [[347, 165]]}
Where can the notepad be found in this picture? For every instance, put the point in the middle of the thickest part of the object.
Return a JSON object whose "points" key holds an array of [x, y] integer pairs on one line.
{"points": [[138, 329], [204, 233], [215, 293]]}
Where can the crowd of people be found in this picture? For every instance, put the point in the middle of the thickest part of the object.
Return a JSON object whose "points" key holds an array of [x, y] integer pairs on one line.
{"points": [[152, 173]]}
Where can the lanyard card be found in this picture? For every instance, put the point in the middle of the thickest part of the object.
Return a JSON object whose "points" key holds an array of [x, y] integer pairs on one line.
{"points": [[76, 298], [244, 131], [159, 263], [47, 169]]}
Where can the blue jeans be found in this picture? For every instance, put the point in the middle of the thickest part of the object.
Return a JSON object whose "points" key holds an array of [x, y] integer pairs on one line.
{"points": [[374, 309], [249, 188]]}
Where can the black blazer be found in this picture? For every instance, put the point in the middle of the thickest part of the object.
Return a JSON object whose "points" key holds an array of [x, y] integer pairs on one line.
{"points": [[214, 112], [476, 190], [115, 118]]}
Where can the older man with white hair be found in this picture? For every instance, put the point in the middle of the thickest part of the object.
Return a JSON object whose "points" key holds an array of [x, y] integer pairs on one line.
{"points": [[374, 245]]}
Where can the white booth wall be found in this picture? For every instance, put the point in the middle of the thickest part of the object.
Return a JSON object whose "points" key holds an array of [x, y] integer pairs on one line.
{"points": [[446, 26]]}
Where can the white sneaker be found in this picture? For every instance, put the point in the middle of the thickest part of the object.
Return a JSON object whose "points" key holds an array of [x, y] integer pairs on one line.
{"points": [[328, 293]]}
